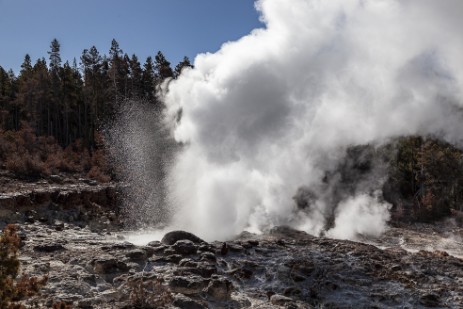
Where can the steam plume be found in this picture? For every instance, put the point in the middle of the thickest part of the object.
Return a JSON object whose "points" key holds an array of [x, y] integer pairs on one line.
{"points": [[277, 109]]}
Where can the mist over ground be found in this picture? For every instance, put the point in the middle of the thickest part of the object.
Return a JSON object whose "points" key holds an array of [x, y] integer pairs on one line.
{"points": [[267, 117]]}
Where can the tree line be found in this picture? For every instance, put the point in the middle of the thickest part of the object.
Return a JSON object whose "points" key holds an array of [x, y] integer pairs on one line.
{"points": [[425, 180], [422, 176], [52, 102], [51, 112]]}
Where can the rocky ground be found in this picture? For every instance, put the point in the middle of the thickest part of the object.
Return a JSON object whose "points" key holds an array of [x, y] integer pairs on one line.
{"points": [[94, 266], [59, 199]]}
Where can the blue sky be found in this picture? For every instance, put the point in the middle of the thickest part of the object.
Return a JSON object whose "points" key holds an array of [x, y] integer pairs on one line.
{"points": [[176, 27]]}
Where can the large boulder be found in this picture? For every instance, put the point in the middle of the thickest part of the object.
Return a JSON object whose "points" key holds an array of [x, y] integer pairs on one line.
{"points": [[174, 236]]}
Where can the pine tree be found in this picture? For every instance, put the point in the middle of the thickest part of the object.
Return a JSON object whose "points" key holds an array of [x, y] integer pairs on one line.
{"points": [[4, 82], [26, 66], [95, 69], [117, 72], [136, 82], [24, 108], [55, 102], [40, 99], [163, 69], [6, 96], [185, 63], [55, 57], [148, 80]]}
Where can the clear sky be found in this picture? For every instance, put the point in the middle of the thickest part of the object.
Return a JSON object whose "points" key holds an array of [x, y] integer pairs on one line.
{"points": [[176, 27]]}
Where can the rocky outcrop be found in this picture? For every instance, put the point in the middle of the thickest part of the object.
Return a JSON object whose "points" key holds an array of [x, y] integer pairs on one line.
{"points": [[72, 234], [282, 269], [80, 203]]}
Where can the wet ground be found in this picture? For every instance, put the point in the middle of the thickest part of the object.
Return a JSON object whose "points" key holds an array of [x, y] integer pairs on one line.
{"points": [[445, 236], [72, 233], [406, 268]]}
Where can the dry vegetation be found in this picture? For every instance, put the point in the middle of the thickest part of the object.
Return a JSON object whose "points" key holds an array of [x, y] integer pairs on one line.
{"points": [[28, 156], [12, 288]]}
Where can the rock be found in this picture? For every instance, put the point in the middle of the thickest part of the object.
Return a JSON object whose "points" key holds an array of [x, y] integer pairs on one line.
{"points": [[174, 236], [292, 291], [172, 258], [205, 247], [208, 256], [430, 300], [155, 243], [184, 247], [280, 300], [149, 251], [219, 288], [107, 297], [109, 266], [158, 250], [224, 249], [395, 267], [125, 245], [49, 247], [59, 226], [187, 285], [187, 262], [96, 271], [30, 219], [136, 254], [253, 243], [301, 269], [169, 251], [183, 302], [23, 200], [88, 181], [235, 248], [241, 273], [55, 179], [289, 232], [73, 287], [202, 269], [86, 303]]}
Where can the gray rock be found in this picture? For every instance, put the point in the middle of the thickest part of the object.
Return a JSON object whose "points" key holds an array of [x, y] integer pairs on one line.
{"points": [[136, 254], [125, 245], [430, 300], [109, 266], [183, 302], [187, 285], [172, 258], [56, 179], [219, 288], [184, 247], [174, 236], [208, 256], [49, 247], [280, 300], [235, 248], [201, 269], [155, 243]]}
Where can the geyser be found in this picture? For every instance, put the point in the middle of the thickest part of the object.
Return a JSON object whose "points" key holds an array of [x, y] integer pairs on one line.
{"points": [[275, 111]]}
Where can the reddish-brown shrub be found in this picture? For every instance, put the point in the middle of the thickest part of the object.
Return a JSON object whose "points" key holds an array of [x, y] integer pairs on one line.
{"points": [[98, 175], [12, 289], [29, 156]]}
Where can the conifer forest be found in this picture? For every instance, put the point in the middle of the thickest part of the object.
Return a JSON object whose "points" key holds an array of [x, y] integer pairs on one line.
{"points": [[53, 114]]}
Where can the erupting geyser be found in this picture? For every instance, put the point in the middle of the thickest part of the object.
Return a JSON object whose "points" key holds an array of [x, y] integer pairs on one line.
{"points": [[264, 119]]}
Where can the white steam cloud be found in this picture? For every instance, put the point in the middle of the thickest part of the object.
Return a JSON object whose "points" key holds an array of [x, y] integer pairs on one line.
{"points": [[359, 215], [278, 108]]}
